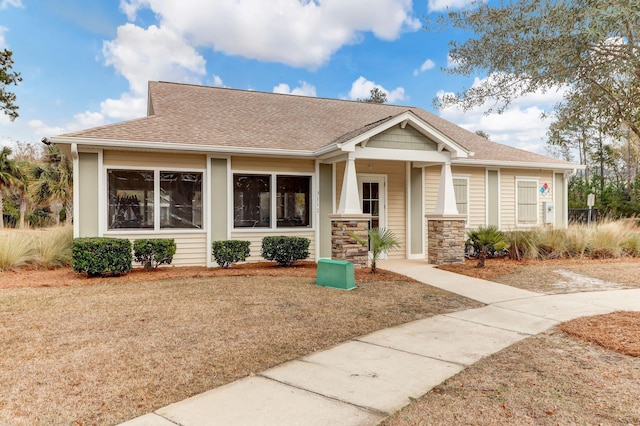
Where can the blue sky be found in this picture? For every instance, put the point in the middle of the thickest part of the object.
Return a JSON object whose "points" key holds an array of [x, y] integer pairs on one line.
{"points": [[87, 62]]}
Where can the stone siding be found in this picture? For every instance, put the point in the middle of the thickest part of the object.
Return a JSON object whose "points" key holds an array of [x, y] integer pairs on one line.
{"points": [[446, 241], [343, 245]]}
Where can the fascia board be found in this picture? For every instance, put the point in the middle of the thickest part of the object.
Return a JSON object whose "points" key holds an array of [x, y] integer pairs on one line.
{"points": [[163, 146], [517, 164]]}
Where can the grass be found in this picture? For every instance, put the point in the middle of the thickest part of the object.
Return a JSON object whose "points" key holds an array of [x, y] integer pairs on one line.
{"points": [[106, 350], [606, 239], [39, 248]]}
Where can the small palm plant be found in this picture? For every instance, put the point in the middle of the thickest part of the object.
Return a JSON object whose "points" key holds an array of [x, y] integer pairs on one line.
{"points": [[380, 241], [485, 239]]}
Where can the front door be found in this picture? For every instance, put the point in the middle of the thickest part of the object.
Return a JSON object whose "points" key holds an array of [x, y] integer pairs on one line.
{"points": [[373, 200]]}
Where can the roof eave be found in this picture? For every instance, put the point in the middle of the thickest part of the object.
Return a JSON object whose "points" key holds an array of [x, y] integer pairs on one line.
{"points": [[517, 164], [166, 146]]}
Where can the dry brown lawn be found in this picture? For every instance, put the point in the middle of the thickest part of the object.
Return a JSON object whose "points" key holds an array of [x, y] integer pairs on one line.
{"points": [[78, 351], [585, 371]]}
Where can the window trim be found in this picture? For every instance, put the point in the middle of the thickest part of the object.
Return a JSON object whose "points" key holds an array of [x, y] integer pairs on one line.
{"points": [[156, 201], [273, 223], [517, 197]]}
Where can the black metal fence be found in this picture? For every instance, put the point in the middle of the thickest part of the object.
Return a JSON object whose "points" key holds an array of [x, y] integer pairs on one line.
{"points": [[582, 215]]}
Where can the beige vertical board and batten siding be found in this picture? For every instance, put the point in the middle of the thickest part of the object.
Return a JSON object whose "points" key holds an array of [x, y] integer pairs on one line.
{"points": [[88, 183], [154, 159], [396, 215], [398, 138]]}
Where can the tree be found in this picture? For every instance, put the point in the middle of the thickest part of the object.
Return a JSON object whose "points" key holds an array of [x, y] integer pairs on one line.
{"points": [[7, 173], [485, 239], [588, 47], [53, 182], [483, 134], [7, 78], [380, 241], [376, 96]]}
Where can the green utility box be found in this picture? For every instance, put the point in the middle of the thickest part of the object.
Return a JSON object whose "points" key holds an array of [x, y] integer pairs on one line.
{"points": [[336, 274]]}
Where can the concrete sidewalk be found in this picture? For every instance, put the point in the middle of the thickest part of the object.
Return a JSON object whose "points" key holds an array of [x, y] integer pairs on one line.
{"points": [[362, 381]]}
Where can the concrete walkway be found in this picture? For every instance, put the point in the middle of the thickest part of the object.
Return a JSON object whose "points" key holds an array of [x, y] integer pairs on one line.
{"points": [[362, 381]]}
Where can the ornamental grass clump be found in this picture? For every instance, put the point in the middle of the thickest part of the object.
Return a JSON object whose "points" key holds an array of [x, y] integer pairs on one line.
{"points": [[16, 249], [53, 246]]}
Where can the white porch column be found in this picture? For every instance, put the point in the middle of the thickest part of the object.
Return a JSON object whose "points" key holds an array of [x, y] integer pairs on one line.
{"points": [[350, 196], [446, 204]]}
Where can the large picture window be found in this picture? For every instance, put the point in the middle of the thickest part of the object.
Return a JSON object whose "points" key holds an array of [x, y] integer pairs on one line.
{"points": [[251, 201], [254, 197], [293, 201], [153, 199]]}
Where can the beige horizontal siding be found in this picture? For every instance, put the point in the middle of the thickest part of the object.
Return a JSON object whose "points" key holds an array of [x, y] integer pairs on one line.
{"points": [[191, 248], [255, 238], [278, 165], [396, 196], [154, 159], [477, 194], [508, 194]]}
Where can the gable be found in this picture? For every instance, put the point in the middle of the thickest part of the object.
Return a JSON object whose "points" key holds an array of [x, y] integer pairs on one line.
{"points": [[399, 138]]}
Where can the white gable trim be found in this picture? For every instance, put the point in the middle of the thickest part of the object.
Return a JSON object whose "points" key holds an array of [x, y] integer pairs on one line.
{"points": [[408, 117]]}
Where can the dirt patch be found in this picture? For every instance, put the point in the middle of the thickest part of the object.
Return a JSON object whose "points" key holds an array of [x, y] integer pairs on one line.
{"points": [[100, 351], [542, 276]]}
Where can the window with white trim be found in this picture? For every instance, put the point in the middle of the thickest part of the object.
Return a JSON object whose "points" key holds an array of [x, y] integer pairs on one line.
{"points": [[461, 190], [137, 198], [256, 202], [527, 201]]}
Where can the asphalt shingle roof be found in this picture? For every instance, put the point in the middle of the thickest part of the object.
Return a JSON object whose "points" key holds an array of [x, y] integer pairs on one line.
{"points": [[212, 116]]}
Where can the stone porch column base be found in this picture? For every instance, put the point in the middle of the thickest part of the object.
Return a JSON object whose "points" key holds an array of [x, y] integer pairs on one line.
{"points": [[343, 245], [446, 236]]}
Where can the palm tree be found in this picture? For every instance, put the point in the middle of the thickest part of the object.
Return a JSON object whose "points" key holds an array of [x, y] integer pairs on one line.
{"points": [[380, 241], [484, 239], [7, 173], [53, 182]]}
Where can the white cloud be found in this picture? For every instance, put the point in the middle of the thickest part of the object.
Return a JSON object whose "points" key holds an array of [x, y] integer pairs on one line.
{"points": [[426, 65], [6, 3], [305, 89], [442, 5], [157, 53], [41, 128], [294, 32], [217, 81], [521, 125], [361, 89], [3, 42], [125, 108]]}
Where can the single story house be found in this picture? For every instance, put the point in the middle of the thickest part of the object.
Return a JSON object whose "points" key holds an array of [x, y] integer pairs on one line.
{"points": [[210, 163]]}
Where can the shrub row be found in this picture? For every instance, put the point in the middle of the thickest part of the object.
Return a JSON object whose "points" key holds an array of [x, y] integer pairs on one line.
{"points": [[283, 250], [112, 256]]}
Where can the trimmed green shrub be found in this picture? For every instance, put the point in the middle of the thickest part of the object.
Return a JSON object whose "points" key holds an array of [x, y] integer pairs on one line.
{"points": [[101, 256], [285, 250], [153, 252], [229, 252]]}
